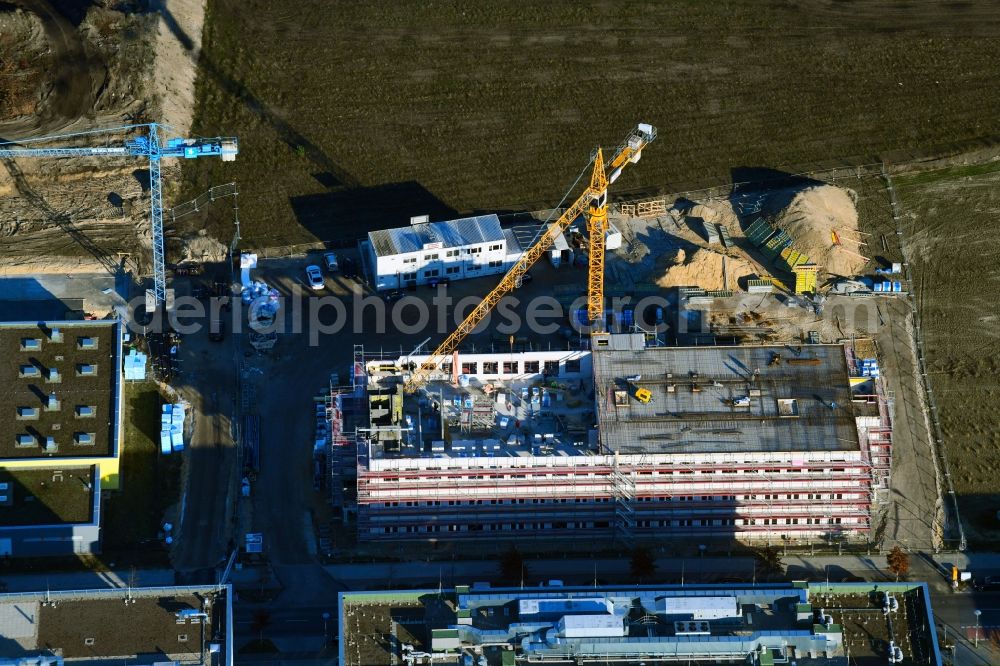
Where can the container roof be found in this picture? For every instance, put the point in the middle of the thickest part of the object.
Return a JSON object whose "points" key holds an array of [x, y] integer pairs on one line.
{"points": [[452, 233]]}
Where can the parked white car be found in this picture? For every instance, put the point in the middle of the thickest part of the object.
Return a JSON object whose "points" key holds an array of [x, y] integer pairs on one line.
{"points": [[314, 276]]}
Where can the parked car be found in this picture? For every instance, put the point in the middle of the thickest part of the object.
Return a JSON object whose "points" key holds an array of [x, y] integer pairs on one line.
{"points": [[330, 261], [314, 276], [348, 267], [394, 295]]}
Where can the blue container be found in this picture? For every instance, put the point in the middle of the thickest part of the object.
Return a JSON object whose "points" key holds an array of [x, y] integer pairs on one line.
{"points": [[897, 287], [878, 286]]}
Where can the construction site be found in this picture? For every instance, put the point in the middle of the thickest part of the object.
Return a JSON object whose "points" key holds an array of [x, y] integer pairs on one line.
{"points": [[714, 418], [760, 443]]}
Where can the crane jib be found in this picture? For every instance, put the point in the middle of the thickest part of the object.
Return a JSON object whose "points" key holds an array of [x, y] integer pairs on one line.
{"points": [[63, 152], [628, 151]]}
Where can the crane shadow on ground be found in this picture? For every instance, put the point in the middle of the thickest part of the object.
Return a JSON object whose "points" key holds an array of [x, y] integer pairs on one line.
{"points": [[64, 220]]}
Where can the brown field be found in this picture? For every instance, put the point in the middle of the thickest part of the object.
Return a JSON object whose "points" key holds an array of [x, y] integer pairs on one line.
{"points": [[949, 230], [360, 114]]}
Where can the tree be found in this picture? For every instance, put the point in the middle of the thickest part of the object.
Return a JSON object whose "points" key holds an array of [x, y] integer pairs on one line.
{"points": [[898, 561], [769, 561], [512, 567], [642, 565]]}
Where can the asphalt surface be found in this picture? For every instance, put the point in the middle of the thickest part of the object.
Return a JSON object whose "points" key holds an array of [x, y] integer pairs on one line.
{"points": [[285, 380], [207, 381]]}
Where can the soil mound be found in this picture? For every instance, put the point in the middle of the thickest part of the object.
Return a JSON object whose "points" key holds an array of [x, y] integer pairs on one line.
{"points": [[823, 223], [703, 268]]}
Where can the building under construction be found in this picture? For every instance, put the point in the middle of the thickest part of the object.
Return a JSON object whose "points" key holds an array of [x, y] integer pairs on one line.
{"points": [[760, 443]]}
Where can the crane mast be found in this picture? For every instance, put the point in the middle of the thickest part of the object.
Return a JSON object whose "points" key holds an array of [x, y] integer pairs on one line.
{"points": [[593, 202], [148, 146], [597, 228]]}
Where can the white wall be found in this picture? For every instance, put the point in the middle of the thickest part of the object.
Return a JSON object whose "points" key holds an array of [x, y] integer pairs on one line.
{"points": [[560, 357], [469, 261]]}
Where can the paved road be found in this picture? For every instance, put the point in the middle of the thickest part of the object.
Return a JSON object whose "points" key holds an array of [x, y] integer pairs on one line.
{"points": [[207, 381]]}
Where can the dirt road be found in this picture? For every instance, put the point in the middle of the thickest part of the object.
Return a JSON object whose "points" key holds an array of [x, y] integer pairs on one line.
{"points": [[914, 505], [76, 81]]}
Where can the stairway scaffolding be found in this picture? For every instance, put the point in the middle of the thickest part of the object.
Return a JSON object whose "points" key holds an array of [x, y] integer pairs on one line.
{"points": [[623, 492]]}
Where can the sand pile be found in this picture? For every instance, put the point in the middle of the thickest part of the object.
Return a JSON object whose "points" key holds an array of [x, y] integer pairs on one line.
{"points": [[703, 268], [204, 248], [814, 217]]}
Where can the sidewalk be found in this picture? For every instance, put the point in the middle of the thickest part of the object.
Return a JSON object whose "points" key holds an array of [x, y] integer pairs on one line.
{"points": [[87, 580]]}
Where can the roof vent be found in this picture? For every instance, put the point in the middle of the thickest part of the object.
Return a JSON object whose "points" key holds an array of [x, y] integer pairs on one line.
{"points": [[30, 371], [52, 403], [50, 445], [88, 641], [86, 369], [84, 438], [25, 440], [85, 411], [54, 375], [26, 413], [31, 344], [55, 335], [420, 219], [86, 343]]}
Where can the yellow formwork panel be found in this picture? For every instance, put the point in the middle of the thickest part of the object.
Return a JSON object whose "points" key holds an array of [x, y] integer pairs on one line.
{"points": [[805, 278]]}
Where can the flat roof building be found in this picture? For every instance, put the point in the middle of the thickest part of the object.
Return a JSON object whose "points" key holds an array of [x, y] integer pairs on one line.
{"points": [[60, 393], [811, 624], [180, 624], [49, 511], [758, 443], [711, 400], [429, 252], [60, 430]]}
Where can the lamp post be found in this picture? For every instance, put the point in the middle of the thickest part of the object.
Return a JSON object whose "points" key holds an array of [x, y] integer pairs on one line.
{"points": [[978, 613], [326, 618]]}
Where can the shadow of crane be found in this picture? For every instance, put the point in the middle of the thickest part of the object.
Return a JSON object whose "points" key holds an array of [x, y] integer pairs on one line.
{"points": [[112, 264]]}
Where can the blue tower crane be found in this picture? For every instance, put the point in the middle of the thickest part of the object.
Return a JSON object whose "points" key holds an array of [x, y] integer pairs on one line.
{"points": [[148, 146]]}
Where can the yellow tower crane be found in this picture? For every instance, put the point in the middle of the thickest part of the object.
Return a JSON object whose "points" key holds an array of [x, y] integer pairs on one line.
{"points": [[593, 203]]}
